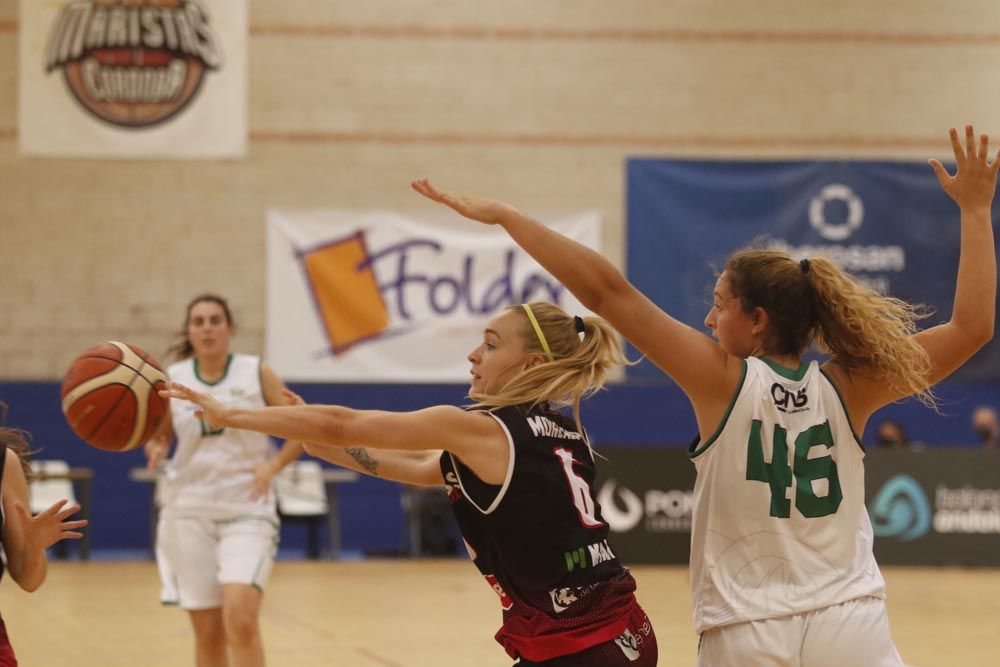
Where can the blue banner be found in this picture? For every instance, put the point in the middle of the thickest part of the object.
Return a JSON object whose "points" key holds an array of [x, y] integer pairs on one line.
{"points": [[889, 223]]}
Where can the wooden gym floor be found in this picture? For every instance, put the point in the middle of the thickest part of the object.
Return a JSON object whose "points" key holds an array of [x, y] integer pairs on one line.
{"points": [[431, 613]]}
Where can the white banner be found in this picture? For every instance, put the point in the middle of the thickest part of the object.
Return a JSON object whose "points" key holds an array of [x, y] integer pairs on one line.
{"points": [[133, 78], [380, 297]]}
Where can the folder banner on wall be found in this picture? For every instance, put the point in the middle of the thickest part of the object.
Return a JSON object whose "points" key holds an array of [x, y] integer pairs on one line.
{"points": [[133, 78], [381, 297], [888, 223]]}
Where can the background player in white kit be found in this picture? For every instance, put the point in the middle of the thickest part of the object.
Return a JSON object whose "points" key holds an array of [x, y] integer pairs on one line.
{"points": [[782, 570], [218, 529]]}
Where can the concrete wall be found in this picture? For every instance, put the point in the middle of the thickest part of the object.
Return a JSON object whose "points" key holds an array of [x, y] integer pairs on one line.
{"points": [[535, 102]]}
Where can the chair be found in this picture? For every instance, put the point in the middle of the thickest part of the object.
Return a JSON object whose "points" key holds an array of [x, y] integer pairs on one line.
{"points": [[430, 524], [53, 486], [301, 494]]}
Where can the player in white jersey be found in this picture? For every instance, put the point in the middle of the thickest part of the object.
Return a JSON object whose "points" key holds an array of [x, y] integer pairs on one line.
{"points": [[782, 570], [218, 528]]}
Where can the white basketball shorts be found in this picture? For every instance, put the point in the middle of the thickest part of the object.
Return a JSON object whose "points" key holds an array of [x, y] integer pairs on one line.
{"points": [[198, 556], [852, 634]]}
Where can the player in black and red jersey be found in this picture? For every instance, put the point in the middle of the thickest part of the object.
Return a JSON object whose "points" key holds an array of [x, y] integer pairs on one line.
{"points": [[520, 475], [25, 537]]}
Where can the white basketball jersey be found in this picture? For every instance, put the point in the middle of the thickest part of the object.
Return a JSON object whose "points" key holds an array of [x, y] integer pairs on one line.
{"points": [[210, 473], [780, 525]]}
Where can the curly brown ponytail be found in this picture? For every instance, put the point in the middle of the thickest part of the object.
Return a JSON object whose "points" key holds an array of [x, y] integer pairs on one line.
{"points": [[815, 302]]}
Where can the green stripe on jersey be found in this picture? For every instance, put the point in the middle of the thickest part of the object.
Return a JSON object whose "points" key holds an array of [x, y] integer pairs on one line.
{"points": [[694, 450]]}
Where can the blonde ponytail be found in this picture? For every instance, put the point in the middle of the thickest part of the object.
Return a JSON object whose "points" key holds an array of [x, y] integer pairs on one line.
{"points": [[576, 366]]}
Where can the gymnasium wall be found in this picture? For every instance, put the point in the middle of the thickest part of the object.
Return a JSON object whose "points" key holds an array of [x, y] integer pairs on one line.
{"points": [[535, 103]]}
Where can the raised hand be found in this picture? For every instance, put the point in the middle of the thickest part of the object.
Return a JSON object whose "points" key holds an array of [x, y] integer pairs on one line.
{"points": [[50, 526], [975, 180], [481, 210], [212, 411]]}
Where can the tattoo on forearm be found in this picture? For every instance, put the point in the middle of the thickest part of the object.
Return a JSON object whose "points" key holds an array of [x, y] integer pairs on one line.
{"points": [[360, 454]]}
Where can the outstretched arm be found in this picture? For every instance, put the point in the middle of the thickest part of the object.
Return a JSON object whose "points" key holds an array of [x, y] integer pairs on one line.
{"points": [[474, 436], [951, 344], [973, 188], [691, 358], [419, 468]]}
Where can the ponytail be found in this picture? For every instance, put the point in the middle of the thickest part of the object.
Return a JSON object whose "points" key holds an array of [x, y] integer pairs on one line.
{"points": [[815, 302], [862, 328], [581, 352]]}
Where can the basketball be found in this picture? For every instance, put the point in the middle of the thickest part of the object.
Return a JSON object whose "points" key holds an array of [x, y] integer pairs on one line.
{"points": [[110, 396]]}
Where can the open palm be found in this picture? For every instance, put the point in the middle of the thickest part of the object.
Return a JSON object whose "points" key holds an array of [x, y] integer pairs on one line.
{"points": [[975, 180], [480, 210], [50, 525]]}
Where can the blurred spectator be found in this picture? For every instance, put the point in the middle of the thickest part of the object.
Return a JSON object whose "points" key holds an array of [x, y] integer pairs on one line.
{"points": [[891, 435], [986, 426]]}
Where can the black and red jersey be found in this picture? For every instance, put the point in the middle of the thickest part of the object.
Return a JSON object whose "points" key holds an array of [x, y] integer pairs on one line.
{"points": [[3, 517], [540, 540], [6, 650]]}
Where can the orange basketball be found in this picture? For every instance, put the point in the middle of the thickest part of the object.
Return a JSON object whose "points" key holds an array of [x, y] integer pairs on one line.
{"points": [[110, 396]]}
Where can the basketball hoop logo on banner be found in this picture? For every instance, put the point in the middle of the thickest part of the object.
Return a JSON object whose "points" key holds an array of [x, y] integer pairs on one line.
{"points": [[133, 65], [133, 78]]}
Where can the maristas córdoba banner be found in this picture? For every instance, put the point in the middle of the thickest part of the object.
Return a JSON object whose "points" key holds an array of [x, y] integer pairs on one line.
{"points": [[133, 78], [382, 297]]}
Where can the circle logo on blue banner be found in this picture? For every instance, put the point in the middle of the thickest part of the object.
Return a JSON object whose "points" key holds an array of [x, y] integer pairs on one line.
{"points": [[828, 229]]}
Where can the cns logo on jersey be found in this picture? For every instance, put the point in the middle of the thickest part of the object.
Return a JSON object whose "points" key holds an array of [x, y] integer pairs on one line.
{"points": [[901, 510], [133, 63], [788, 401]]}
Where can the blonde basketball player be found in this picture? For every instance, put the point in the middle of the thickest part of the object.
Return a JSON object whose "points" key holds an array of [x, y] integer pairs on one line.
{"points": [[218, 528], [567, 601], [782, 570]]}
